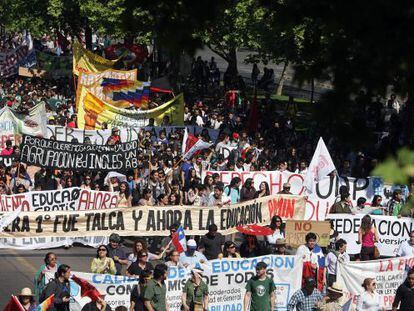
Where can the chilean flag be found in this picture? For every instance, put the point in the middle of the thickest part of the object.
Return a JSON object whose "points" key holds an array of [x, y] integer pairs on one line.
{"points": [[179, 241], [192, 145]]}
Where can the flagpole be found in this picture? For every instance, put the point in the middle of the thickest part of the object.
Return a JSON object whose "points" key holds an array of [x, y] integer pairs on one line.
{"points": [[165, 249]]}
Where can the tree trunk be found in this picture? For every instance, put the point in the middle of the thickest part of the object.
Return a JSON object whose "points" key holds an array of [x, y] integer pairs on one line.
{"points": [[232, 72], [282, 79], [88, 35]]}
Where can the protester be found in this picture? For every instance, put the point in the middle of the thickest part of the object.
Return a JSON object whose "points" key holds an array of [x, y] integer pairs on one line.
{"points": [[305, 299], [310, 257], [60, 288], [211, 244], [97, 305], [331, 301], [369, 300], [191, 256], [195, 292], [116, 252], [174, 259], [230, 250], [404, 297], [140, 245], [137, 292], [278, 227], [367, 237], [343, 206], [103, 264], [285, 189], [332, 259], [26, 298], [407, 247], [218, 197], [141, 264], [260, 291], [395, 204], [51, 266], [156, 291]]}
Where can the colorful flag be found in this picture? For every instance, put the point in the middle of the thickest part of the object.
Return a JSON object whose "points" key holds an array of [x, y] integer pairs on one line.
{"points": [[93, 112], [320, 166], [46, 304], [179, 241], [86, 61], [87, 289], [14, 305]]}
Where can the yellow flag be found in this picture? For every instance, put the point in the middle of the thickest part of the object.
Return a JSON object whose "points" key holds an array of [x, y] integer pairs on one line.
{"points": [[86, 61], [94, 112]]}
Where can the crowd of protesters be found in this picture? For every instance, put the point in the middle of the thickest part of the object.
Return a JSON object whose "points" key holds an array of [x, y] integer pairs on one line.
{"points": [[164, 178]]}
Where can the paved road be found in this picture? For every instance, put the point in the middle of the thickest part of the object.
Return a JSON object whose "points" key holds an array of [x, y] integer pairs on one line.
{"points": [[245, 70], [19, 267]]}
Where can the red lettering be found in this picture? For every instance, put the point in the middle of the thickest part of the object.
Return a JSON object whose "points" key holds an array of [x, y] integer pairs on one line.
{"points": [[275, 181]]}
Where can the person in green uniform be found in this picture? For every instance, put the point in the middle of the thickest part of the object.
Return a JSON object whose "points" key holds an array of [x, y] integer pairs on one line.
{"points": [[156, 290], [195, 293], [260, 291]]}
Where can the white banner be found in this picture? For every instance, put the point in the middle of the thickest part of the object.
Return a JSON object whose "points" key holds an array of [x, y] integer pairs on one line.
{"points": [[388, 273], [324, 194], [392, 231], [69, 199], [226, 282], [50, 242], [100, 137], [13, 125]]}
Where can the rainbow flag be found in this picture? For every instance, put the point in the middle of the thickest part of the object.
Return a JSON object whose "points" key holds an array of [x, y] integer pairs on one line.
{"points": [[136, 93], [45, 305]]}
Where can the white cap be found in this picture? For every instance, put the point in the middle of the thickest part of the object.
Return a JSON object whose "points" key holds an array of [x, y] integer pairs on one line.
{"points": [[191, 243]]}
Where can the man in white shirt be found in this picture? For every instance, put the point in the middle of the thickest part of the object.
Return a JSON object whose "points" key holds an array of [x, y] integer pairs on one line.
{"points": [[407, 247], [332, 259], [218, 197], [223, 144], [192, 256]]}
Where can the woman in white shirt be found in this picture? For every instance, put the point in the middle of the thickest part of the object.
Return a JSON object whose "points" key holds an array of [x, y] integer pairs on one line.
{"points": [[278, 227], [369, 300]]}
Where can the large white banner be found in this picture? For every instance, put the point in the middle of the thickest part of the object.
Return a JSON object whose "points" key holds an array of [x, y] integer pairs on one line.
{"points": [[100, 137], [388, 273], [392, 231], [51, 242], [324, 194], [69, 199], [226, 281]]}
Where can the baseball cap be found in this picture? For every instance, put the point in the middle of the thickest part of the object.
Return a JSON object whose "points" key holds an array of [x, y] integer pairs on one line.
{"points": [[191, 243]]}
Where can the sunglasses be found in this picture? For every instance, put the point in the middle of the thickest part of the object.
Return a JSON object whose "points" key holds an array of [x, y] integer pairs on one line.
{"points": [[144, 255], [232, 246], [52, 258], [102, 250]]}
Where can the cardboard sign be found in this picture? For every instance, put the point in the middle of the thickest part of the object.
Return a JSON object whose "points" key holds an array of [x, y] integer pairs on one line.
{"points": [[296, 230]]}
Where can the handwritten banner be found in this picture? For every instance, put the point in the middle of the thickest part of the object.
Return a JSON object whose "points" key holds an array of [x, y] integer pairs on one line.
{"points": [[62, 155], [296, 230], [150, 221]]}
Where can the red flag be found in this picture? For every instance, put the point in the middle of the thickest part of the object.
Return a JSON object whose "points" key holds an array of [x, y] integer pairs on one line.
{"points": [[254, 229], [13, 305], [254, 114], [87, 289]]}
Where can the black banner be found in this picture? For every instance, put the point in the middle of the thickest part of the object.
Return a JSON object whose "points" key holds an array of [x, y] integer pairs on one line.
{"points": [[64, 155]]}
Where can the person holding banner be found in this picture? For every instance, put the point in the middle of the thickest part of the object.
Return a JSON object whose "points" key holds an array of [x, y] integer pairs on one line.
{"points": [[195, 293], [369, 300], [260, 291]]}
